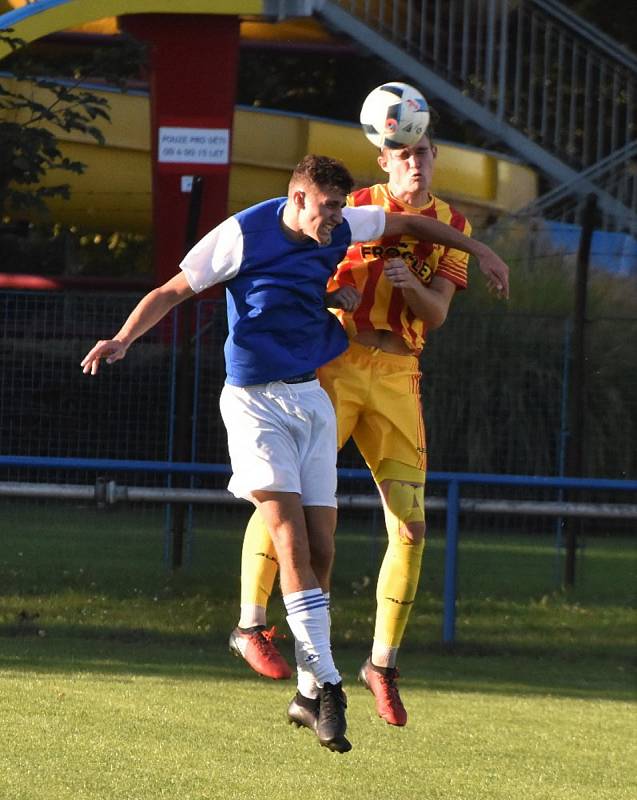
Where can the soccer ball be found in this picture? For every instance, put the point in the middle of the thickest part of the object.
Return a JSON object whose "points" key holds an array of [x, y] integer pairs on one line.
{"points": [[394, 115]]}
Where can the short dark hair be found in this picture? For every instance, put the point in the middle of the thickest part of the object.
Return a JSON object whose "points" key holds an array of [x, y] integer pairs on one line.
{"points": [[323, 171]]}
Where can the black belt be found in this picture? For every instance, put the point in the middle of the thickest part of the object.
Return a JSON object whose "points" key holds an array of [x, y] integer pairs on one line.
{"points": [[307, 376]]}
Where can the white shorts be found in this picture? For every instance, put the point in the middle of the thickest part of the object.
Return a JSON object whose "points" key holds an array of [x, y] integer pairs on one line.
{"points": [[281, 437]]}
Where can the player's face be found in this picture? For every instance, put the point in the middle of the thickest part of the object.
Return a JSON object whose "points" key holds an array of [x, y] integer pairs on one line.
{"points": [[320, 211], [410, 169]]}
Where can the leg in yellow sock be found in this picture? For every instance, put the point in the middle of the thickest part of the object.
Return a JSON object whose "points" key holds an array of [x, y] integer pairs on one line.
{"points": [[259, 566], [250, 640], [403, 503]]}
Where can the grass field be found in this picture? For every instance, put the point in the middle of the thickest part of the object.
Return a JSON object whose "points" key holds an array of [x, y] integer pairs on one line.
{"points": [[116, 684]]}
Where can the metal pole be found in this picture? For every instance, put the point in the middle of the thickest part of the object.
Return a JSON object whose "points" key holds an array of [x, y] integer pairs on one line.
{"points": [[578, 376], [184, 394], [562, 445], [451, 563]]}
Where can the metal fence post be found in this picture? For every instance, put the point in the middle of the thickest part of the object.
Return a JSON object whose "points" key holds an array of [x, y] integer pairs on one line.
{"points": [[184, 389], [562, 444], [168, 510], [451, 563], [575, 452]]}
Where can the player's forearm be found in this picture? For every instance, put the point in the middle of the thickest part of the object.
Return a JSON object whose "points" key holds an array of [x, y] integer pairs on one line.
{"points": [[428, 306], [432, 230], [146, 314]]}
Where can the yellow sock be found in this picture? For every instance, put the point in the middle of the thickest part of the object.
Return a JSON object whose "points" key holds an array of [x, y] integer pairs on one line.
{"points": [[258, 563], [403, 504], [396, 590]]}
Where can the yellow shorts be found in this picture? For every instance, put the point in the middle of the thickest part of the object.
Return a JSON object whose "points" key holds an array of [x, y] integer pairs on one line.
{"points": [[377, 400]]}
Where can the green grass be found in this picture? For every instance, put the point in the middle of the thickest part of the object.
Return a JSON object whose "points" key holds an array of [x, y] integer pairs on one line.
{"points": [[115, 682]]}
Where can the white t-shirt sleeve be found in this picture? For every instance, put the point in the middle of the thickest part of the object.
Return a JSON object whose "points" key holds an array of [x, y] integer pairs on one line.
{"points": [[215, 258], [367, 223]]}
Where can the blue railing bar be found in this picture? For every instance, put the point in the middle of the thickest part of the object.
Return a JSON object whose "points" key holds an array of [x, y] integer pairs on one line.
{"points": [[555, 482], [116, 465], [9, 19]]}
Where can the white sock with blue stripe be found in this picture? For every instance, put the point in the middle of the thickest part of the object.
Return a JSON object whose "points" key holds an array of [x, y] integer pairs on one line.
{"points": [[305, 680], [308, 618]]}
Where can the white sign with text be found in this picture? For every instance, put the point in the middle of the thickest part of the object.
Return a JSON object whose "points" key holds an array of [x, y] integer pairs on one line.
{"points": [[194, 145]]}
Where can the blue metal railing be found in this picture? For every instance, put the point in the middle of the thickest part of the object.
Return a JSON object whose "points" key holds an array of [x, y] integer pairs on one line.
{"points": [[453, 480]]}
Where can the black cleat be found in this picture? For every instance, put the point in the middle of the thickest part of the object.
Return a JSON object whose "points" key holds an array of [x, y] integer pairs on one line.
{"points": [[331, 725], [303, 712]]}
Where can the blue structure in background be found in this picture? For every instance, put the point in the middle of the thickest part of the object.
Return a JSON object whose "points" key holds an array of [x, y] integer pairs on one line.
{"points": [[612, 251], [454, 481]]}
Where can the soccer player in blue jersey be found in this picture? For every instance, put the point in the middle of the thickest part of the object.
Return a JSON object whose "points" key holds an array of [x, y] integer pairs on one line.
{"points": [[274, 259]]}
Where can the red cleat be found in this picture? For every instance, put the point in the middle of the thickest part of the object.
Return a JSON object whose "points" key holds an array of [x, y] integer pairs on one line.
{"points": [[255, 646], [381, 682]]}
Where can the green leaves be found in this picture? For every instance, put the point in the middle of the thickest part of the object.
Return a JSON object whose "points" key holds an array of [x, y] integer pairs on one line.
{"points": [[35, 108]]}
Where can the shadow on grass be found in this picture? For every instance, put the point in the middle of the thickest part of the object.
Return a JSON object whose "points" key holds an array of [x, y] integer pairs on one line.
{"points": [[129, 652], [106, 607]]}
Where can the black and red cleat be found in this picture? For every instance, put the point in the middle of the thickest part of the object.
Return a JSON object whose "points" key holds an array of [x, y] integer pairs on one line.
{"points": [[381, 682], [255, 646]]}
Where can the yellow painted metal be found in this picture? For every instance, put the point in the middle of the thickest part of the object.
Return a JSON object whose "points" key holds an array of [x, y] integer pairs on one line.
{"points": [[74, 13], [115, 191], [107, 25], [301, 29]]}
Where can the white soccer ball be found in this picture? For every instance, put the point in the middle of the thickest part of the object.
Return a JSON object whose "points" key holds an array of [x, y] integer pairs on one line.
{"points": [[394, 115]]}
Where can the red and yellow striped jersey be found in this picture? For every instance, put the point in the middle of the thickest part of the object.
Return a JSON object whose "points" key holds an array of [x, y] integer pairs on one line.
{"points": [[383, 306]]}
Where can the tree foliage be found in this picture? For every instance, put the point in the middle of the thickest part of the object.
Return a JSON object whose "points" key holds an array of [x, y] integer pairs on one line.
{"points": [[309, 83], [35, 108]]}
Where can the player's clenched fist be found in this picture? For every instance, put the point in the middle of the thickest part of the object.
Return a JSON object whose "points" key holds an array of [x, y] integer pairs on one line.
{"points": [[399, 274], [110, 349], [347, 297]]}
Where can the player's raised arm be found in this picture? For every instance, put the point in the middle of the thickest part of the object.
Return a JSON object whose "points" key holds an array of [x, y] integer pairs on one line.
{"points": [[147, 313], [431, 230]]}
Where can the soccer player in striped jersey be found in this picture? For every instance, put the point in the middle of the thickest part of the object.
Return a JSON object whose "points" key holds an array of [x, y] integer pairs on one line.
{"points": [[406, 287], [274, 260]]}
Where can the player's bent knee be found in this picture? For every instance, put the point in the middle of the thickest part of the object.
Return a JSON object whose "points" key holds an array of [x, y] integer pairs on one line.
{"points": [[404, 510], [412, 533]]}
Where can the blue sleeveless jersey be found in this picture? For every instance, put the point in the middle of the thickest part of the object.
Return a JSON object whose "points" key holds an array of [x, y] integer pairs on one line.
{"points": [[278, 324]]}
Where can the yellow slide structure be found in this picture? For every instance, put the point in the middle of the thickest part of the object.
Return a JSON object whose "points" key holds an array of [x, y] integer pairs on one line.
{"points": [[114, 193]]}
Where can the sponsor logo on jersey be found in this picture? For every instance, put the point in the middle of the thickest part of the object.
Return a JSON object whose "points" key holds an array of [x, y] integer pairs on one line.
{"points": [[402, 250]]}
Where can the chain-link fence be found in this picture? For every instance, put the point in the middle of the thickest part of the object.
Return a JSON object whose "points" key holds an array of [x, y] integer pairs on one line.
{"points": [[49, 408], [494, 388]]}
